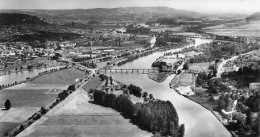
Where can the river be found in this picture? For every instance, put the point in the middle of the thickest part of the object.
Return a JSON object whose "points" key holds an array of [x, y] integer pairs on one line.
{"points": [[199, 122], [21, 76]]}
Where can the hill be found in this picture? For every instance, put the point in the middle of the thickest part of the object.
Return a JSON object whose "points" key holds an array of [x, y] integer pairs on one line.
{"points": [[22, 27], [254, 17], [111, 14], [18, 19]]}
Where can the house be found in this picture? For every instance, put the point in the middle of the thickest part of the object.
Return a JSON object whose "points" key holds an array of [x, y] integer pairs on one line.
{"points": [[254, 86]]}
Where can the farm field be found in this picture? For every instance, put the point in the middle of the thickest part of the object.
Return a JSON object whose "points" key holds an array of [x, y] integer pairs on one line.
{"points": [[65, 77], [199, 66], [76, 116], [27, 98], [186, 79]]}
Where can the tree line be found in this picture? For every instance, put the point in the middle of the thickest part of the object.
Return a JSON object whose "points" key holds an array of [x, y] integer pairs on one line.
{"points": [[156, 116]]}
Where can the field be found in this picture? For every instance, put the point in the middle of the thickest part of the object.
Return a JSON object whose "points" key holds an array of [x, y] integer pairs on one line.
{"points": [[76, 116], [186, 79], [199, 66], [27, 98], [159, 29], [66, 77]]}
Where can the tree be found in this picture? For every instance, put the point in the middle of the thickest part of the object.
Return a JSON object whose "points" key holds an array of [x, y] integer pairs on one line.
{"points": [[21, 128], [145, 94], [151, 96], [111, 80], [109, 100], [99, 97], [106, 84], [181, 131], [178, 72], [7, 104], [185, 66], [136, 91], [102, 77], [71, 87], [43, 110]]}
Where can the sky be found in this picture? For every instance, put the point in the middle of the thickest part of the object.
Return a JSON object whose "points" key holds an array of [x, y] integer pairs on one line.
{"points": [[208, 6]]}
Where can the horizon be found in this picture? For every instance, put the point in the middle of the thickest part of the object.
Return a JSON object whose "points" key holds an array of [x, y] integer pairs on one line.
{"points": [[201, 6]]}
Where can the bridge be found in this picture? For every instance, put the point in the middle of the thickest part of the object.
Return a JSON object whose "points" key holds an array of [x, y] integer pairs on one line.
{"points": [[138, 71]]}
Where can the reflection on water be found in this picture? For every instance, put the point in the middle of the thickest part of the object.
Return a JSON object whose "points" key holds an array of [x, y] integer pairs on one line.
{"points": [[241, 29], [199, 122]]}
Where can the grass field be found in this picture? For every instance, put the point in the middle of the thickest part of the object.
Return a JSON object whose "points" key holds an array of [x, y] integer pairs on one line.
{"points": [[76, 116], [186, 79], [26, 97], [199, 66], [7, 126], [66, 77]]}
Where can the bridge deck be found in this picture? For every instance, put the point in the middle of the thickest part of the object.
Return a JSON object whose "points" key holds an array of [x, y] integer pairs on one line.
{"points": [[140, 71]]}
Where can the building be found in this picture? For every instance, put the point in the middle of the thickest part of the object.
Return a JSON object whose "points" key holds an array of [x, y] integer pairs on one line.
{"points": [[254, 86]]}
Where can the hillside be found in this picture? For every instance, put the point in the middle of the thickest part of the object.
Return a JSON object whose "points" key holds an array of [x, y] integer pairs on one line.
{"points": [[22, 27], [18, 19], [254, 17], [104, 14]]}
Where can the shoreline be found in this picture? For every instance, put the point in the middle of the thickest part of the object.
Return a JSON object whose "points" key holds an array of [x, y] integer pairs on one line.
{"points": [[32, 78], [212, 111], [8, 72], [157, 77]]}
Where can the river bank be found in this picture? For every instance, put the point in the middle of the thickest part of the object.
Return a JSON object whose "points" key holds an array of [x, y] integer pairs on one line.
{"points": [[159, 77]]}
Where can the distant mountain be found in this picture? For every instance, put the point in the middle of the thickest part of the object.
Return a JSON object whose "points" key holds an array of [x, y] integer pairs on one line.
{"points": [[19, 19], [112, 14], [254, 17]]}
